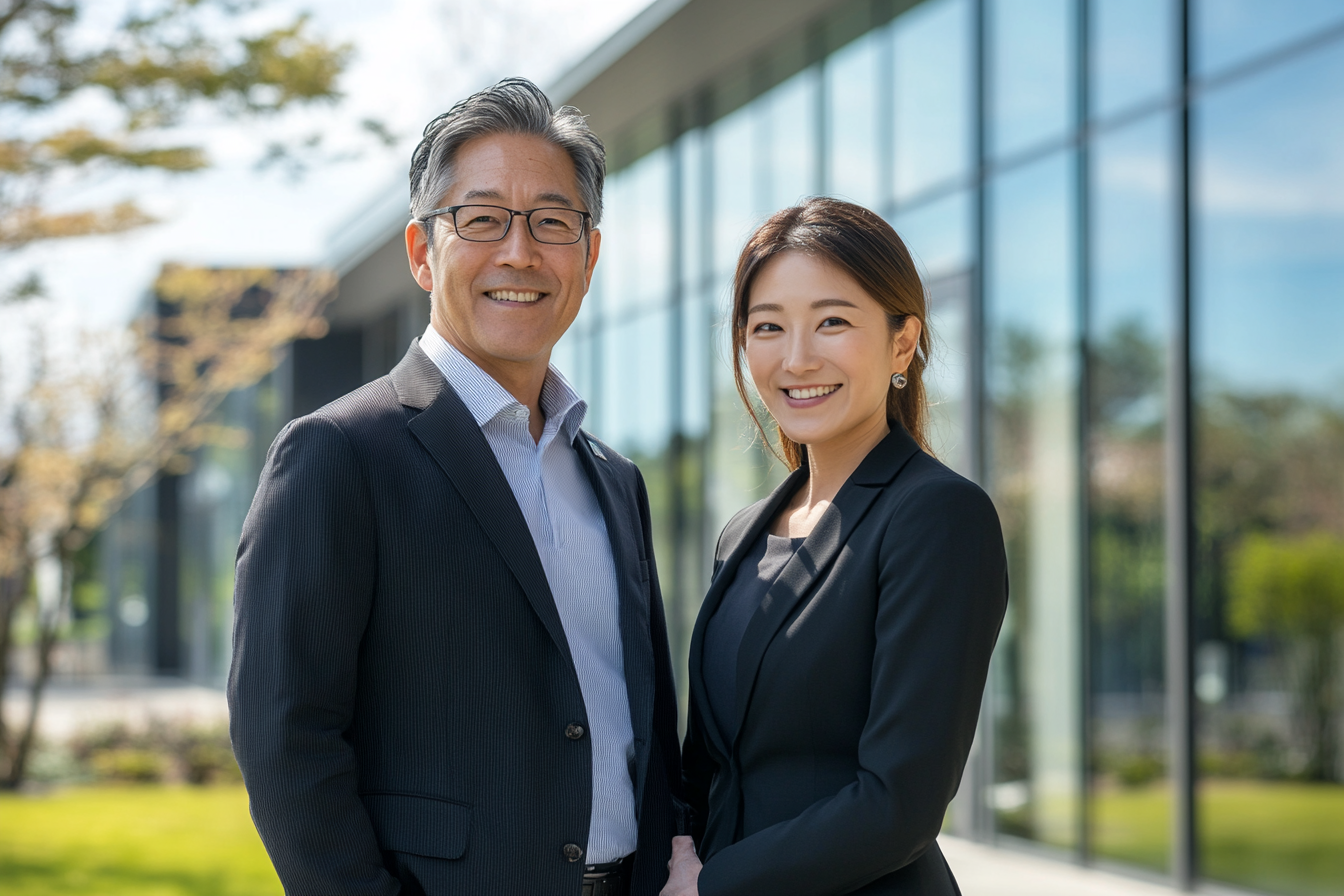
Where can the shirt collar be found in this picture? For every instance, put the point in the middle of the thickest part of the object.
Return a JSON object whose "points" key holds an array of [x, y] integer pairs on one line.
{"points": [[486, 399]]}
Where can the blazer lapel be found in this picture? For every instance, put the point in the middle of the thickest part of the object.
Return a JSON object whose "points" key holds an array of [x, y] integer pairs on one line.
{"points": [[449, 433], [814, 557], [744, 536], [619, 511]]}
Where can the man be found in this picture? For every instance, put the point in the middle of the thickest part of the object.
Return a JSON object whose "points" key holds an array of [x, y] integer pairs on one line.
{"points": [[451, 672]]}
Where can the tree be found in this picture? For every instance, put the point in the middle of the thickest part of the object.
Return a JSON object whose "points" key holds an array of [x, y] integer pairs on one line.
{"points": [[86, 439], [147, 74], [81, 438], [1293, 588]]}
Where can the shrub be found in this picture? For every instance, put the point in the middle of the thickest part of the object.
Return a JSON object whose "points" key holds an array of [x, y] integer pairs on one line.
{"points": [[129, 764]]}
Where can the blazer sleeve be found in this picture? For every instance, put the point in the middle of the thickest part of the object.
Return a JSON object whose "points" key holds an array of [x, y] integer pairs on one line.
{"points": [[943, 590], [302, 594], [698, 769], [697, 765]]}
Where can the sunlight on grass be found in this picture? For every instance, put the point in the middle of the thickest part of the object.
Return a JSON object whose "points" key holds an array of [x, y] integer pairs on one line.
{"points": [[1275, 836], [147, 841]]}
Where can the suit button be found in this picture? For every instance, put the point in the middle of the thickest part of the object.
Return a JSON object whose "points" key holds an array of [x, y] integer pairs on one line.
{"points": [[573, 851], [573, 732]]}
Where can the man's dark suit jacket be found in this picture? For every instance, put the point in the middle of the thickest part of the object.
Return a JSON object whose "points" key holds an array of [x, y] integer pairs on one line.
{"points": [[858, 686], [402, 692]]}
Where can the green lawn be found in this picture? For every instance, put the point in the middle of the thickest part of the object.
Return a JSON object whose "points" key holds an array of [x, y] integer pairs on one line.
{"points": [[1279, 837], [146, 841]]}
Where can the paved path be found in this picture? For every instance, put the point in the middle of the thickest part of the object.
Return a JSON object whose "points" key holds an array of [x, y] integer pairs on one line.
{"points": [[71, 708], [986, 871]]}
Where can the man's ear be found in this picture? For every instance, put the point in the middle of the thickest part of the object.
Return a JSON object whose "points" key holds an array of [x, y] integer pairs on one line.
{"points": [[589, 263], [417, 255]]}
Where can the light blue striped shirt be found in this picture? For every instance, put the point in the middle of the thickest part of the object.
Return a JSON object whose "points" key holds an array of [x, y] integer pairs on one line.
{"points": [[567, 526]]}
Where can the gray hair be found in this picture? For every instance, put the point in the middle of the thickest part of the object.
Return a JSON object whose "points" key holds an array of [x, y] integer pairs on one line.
{"points": [[513, 106]]}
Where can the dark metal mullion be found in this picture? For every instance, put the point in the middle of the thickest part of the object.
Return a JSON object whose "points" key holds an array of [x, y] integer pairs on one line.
{"points": [[1083, 257], [1179, 495], [817, 51], [886, 110], [983, 822], [702, 115], [676, 450]]}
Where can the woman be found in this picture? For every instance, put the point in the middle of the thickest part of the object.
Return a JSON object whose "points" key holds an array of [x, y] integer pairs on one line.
{"points": [[840, 655]]}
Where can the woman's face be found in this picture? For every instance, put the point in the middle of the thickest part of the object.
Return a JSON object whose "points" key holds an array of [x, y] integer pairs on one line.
{"points": [[820, 350]]}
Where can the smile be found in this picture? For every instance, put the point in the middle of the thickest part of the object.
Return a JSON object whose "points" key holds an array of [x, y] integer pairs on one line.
{"points": [[521, 297], [811, 391]]}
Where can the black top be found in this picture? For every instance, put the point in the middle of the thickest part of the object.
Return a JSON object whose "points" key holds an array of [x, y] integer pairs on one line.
{"points": [[723, 633]]}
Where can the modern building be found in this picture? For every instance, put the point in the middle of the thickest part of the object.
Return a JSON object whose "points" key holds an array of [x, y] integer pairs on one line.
{"points": [[1130, 217]]}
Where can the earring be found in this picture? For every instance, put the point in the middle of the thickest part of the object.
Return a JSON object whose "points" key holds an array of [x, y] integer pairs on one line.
{"points": [[898, 381]]}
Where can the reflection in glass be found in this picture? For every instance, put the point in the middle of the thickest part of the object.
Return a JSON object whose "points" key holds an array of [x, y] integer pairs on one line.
{"points": [[788, 123], [1228, 32], [938, 236], [1031, 75], [733, 178], [636, 241], [1033, 478], [1269, 477], [1131, 305], [932, 95], [1132, 56], [214, 498], [640, 426], [851, 76], [738, 470]]}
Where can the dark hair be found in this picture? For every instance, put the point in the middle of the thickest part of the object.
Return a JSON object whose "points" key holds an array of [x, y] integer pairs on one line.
{"points": [[512, 106], [863, 245]]}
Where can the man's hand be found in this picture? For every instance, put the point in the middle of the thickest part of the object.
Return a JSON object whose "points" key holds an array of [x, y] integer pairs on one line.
{"points": [[683, 869]]}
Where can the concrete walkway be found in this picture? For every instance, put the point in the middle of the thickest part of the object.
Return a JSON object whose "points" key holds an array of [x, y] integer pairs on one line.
{"points": [[986, 871], [70, 708]]}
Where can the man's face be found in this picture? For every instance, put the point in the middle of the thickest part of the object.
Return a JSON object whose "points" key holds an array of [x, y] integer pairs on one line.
{"points": [[505, 304]]}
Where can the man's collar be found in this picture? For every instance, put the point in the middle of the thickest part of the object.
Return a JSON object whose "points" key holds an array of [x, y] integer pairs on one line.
{"points": [[486, 399]]}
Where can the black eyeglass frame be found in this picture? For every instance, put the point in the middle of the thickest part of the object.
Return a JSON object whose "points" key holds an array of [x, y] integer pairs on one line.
{"points": [[452, 210]]}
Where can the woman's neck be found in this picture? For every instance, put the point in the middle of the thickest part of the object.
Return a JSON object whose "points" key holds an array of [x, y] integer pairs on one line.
{"points": [[829, 466]]}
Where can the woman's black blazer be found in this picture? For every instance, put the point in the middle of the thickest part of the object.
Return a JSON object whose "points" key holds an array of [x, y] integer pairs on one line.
{"points": [[858, 687]]}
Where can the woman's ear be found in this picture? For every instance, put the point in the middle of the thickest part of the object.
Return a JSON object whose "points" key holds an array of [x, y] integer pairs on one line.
{"points": [[904, 344]]}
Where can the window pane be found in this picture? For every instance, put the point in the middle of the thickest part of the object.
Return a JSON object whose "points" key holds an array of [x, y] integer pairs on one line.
{"points": [[1033, 467], [1231, 31], [938, 236], [1031, 72], [933, 99], [637, 422], [1131, 306], [789, 140], [1269, 326], [1132, 54], [852, 75], [735, 212], [738, 472], [636, 240]]}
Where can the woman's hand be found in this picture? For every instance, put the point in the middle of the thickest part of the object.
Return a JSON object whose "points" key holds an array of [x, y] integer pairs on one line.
{"points": [[683, 869]]}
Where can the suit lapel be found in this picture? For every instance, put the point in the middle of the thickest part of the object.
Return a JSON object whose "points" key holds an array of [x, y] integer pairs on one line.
{"points": [[744, 535], [449, 433], [813, 558], [624, 529]]}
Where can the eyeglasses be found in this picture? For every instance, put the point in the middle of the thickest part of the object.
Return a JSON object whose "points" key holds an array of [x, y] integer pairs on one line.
{"points": [[489, 223]]}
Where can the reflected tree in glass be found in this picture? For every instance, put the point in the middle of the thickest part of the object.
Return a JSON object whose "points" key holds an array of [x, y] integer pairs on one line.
{"points": [[1033, 478], [1269, 475]]}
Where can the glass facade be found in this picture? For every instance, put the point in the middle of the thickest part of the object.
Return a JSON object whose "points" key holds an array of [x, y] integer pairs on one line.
{"points": [[1130, 216]]}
